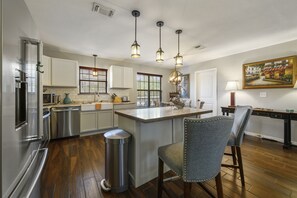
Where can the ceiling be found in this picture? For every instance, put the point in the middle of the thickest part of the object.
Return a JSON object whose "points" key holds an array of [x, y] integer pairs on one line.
{"points": [[222, 27]]}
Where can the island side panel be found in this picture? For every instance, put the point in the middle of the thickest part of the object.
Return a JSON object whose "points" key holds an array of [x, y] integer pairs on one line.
{"points": [[178, 129], [152, 136], [131, 127]]}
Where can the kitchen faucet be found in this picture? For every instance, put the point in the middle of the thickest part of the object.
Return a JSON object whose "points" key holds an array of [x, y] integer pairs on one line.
{"points": [[96, 96]]}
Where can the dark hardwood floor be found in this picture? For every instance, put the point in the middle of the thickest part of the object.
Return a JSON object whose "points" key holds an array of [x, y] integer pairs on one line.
{"points": [[75, 168]]}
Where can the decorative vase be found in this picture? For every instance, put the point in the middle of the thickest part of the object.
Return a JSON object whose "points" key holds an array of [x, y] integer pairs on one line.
{"points": [[67, 100]]}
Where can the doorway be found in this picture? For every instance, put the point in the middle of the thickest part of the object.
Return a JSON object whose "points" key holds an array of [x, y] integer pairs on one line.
{"points": [[206, 90]]}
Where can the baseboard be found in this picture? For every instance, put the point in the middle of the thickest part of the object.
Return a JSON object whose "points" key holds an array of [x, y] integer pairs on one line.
{"points": [[267, 137]]}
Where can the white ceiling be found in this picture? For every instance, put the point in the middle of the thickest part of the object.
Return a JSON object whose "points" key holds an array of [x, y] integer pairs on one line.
{"points": [[223, 27]]}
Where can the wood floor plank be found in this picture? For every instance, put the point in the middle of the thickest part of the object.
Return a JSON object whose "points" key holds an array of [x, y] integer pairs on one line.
{"points": [[76, 166]]}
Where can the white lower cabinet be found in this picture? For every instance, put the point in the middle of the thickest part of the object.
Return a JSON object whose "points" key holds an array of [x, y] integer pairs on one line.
{"points": [[105, 119], [96, 120], [88, 121]]}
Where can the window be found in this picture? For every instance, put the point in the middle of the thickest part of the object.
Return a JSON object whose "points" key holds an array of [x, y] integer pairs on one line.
{"points": [[89, 84], [149, 93]]}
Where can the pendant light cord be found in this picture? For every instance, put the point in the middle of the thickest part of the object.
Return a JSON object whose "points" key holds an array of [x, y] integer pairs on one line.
{"points": [[135, 28], [160, 37], [178, 43], [94, 61]]}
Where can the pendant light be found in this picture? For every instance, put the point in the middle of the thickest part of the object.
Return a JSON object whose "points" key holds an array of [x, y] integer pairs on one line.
{"points": [[95, 73], [178, 58], [135, 47], [175, 77], [160, 52]]}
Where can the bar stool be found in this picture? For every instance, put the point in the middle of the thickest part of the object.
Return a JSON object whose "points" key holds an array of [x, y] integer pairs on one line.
{"points": [[242, 115], [199, 157]]}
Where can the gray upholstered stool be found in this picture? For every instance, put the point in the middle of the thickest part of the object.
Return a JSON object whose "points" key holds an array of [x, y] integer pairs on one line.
{"points": [[241, 117], [199, 157]]}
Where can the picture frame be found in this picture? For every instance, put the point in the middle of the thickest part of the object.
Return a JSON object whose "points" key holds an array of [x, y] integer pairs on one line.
{"points": [[184, 86], [273, 73]]}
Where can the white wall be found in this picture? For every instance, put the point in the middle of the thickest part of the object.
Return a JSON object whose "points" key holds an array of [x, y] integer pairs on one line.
{"points": [[106, 63], [230, 68]]}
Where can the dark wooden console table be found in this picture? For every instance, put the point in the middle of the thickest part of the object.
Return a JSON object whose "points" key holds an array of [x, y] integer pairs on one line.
{"points": [[276, 114]]}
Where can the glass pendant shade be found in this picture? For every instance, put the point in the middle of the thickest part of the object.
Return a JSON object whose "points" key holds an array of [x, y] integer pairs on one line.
{"points": [[160, 55], [178, 60], [175, 77], [160, 52], [94, 72], [135, 47], [135, 50]]}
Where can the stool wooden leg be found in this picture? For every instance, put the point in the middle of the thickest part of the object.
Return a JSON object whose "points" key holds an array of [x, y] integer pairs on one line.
{"points": [[219, 186], [160, 178], [187, 189], [233, 155], [238, 151]]}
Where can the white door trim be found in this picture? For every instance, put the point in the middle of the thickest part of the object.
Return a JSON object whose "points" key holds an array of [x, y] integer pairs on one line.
{"points": [[216, 83]]}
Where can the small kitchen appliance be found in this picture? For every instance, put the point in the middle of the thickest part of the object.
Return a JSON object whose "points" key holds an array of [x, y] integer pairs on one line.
{"points": [[125, 99]]}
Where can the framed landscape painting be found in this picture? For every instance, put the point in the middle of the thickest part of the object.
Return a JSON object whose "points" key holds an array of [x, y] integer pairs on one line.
{"points": [[274, 73]]}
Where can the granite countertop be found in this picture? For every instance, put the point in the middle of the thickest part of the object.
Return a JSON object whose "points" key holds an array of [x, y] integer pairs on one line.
{"points": [[123, 103], [79, 104], [159, 113]]}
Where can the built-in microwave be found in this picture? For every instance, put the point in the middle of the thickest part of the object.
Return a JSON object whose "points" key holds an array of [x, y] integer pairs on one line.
{"points": [[48, 98]]}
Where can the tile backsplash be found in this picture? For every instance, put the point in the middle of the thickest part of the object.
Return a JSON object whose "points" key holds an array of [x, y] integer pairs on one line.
{"points": [[79, 98]]}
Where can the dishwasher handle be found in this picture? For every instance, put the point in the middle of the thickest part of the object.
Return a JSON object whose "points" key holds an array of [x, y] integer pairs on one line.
{"points": [[64, 110]]}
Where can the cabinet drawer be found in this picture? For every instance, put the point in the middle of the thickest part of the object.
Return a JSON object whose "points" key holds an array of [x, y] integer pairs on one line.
{"points": [[259, 113], [294, 116], [279, 115]]}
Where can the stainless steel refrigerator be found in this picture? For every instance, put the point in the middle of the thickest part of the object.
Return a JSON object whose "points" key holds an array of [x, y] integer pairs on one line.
{"points": [[23, 143]]}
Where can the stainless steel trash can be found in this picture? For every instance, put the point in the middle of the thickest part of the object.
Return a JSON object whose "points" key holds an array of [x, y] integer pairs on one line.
{"points": [[116, 161]]}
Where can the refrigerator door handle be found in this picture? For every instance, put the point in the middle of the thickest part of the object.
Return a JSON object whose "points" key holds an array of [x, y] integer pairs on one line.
{"points": [[32, 139], [19, 192], [38, 173]]}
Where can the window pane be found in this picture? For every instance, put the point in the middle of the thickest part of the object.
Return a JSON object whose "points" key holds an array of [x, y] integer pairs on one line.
{"points": [[102, 78], [146, 82], [84, 86], [142, 98], [90, 83]]}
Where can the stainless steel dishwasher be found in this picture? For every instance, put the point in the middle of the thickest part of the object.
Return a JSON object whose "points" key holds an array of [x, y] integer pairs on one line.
{"points": [[65, 122]]}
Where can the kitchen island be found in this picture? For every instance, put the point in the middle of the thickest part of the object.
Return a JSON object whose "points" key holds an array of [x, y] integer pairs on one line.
{"points": [[151, 128]]}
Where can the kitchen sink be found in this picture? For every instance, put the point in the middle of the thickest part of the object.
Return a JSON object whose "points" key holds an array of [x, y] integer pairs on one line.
{"points": [[96, 106], [106, 105], [88, 107]]}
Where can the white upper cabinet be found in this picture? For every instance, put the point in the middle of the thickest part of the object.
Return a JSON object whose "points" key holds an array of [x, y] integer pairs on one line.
{"points": [[60, 72], [128, 77], [47, 68], [121, 77], [64, 73]]}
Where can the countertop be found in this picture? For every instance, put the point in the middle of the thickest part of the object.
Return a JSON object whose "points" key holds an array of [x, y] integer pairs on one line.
{"points": [[159, 113], [123, 103], [79, 104]]}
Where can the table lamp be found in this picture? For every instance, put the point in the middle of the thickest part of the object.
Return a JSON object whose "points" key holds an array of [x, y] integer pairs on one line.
{"points": [[232, 86]]}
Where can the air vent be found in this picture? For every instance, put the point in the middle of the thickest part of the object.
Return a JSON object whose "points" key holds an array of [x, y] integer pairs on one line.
{"points": [[199, 47], [103, 9]]}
